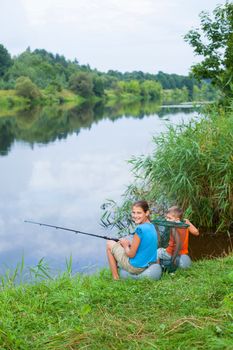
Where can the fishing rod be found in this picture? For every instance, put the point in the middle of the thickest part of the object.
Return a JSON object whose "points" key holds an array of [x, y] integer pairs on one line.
{"points": [[69, 229]]}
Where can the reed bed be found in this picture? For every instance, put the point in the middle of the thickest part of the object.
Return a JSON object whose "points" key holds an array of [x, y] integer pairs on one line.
{"points": [[192, 166]]}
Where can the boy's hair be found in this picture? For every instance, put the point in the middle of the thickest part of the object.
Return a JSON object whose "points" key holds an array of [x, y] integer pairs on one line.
{"points": [[176, 211], [142, 204]]}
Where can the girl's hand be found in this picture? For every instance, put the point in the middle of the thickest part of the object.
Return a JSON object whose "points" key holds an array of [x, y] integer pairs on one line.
{"points": [[130, 247], [125, 242]]}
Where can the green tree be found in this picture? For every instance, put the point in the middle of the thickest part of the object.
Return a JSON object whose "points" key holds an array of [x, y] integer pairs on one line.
{"points": [[98, 86], [133, 87], [26, 88], [214, 41], [151, 90], [5, 60], [121, 86], [82, 84]]}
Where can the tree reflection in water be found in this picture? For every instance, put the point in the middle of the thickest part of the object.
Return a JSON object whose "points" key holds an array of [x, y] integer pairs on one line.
{"points": [[51, 123]]}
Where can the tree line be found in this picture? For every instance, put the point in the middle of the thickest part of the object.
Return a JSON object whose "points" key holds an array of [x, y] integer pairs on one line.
{"points": [[33, 71]]}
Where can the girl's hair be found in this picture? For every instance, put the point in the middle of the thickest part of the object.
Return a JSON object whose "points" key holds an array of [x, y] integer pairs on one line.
{"points": [[142, 204], [176, 211]]}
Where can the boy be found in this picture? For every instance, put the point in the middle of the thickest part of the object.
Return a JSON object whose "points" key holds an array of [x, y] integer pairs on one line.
{"points": [[178, 242]]}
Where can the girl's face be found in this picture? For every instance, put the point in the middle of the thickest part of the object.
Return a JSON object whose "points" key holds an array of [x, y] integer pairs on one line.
{"points": [[139, 216]]}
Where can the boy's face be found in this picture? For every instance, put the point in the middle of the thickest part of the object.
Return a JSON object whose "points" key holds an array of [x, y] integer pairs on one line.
{"points": [[172, 217]]}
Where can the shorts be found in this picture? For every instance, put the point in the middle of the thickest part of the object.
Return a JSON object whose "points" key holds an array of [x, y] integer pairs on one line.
{"points": [[123, 260], [163, 254]]}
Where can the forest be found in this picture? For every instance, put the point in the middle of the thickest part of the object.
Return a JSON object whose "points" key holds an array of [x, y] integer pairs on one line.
{"points": [[46, 78]]}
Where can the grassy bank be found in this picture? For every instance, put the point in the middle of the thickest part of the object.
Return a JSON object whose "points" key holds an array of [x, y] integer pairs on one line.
{"points": [[69, 97], [192, 309], [10, 102], [124, 98]]}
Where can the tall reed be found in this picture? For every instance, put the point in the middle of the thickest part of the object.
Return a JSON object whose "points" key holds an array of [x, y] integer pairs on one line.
{"points": [[191, 166]]}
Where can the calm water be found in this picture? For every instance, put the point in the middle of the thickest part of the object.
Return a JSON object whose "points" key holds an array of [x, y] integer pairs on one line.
{"points": [[58, 167]]}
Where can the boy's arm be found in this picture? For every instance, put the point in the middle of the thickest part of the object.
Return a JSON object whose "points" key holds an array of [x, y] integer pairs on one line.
{"points": [[192, 229]]}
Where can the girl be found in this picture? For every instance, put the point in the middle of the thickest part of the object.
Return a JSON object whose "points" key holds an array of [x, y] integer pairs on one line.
{"points": [[136, 255]]}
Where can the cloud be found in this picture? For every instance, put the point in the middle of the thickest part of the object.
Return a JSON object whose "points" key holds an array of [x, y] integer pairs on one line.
{"points": [[78, 11], [14, 32], [125, 35], [88, 173], [71, 192]]}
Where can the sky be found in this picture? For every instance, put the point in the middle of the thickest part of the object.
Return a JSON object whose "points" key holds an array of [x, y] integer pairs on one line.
{"points": [[123, 35]]}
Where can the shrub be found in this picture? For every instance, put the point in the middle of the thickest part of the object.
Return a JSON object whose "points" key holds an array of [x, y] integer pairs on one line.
{"points": [[81, 84], [26, 88]]}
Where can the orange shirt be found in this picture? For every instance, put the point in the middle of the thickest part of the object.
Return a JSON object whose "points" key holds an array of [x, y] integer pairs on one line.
{"points": [[184, 238]]}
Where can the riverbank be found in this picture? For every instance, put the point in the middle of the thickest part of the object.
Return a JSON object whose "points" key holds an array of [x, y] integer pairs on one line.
{"points": [[191, 309], [11, 103]]}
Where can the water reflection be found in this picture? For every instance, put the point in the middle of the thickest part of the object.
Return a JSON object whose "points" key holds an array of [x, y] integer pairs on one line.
{"points": [[48, 124], [59, 166]]}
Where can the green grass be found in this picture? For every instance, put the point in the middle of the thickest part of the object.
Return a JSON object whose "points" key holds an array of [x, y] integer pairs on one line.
{"points": [[69, 96], [11, 103], [192, 309], [112, 97]]}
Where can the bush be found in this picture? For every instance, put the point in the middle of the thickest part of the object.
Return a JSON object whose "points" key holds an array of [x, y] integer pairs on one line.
{"points": [[81, 84], [26, 88]]}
